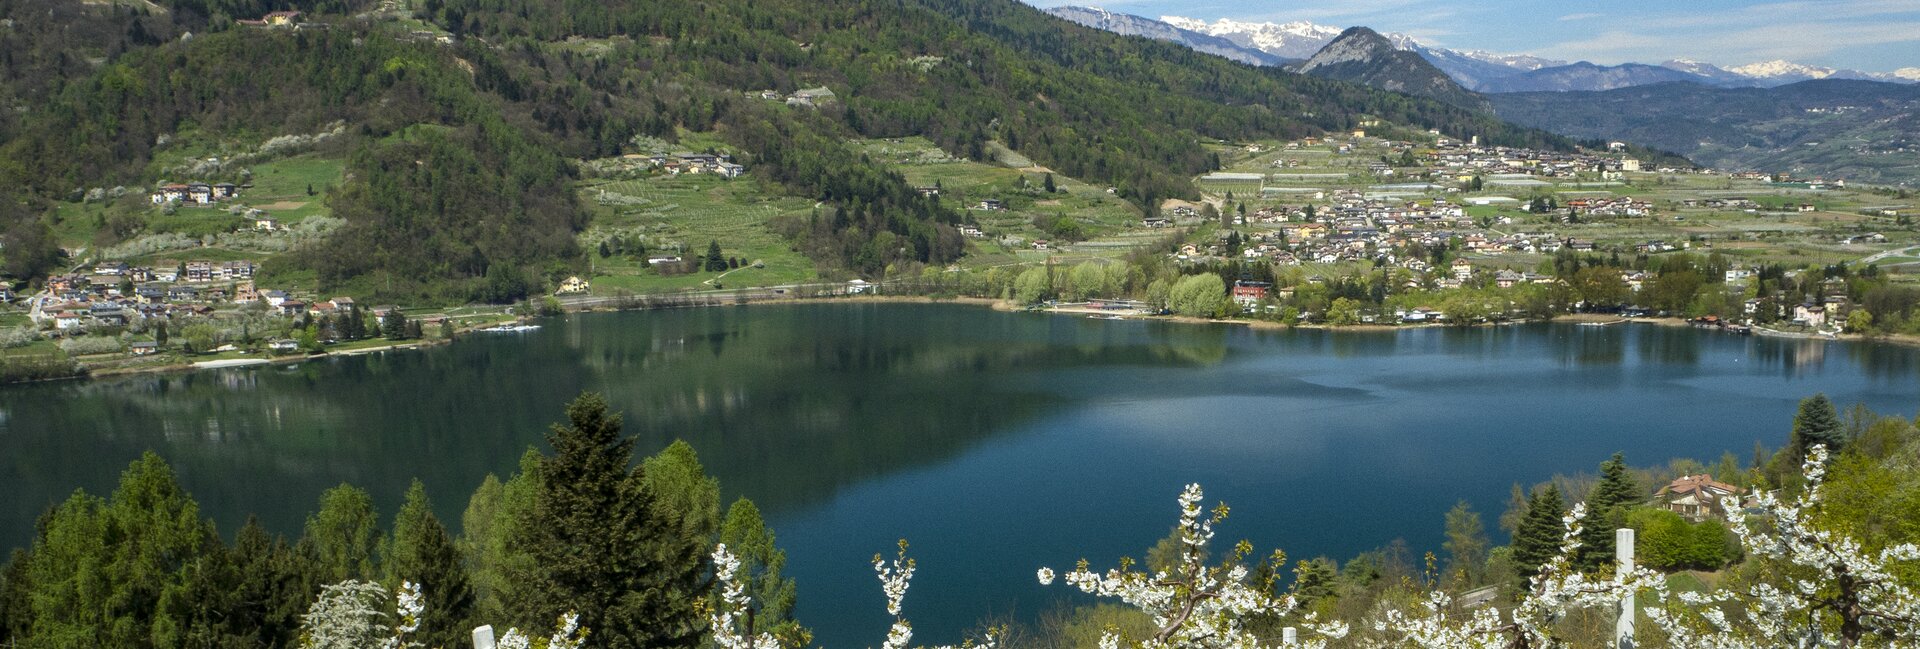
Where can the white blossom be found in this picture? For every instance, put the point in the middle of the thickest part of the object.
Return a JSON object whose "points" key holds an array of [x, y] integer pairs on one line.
{"points": [[733, 603], [1556, 590], [1196, 606], [1837, 594], [347, 615]]}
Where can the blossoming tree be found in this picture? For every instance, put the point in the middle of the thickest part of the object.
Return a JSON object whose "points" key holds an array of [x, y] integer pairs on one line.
{"points": [[1835, 593]]}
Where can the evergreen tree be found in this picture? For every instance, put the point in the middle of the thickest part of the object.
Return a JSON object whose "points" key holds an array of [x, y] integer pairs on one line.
{"points": [[340, 538], [422, 552], [115, 572], [683, 492], [1466, 543], [492, 527], [446, 329], [1817, 422], [715, 262], [598, 546], [1048, 183], [1314, 580], [16, 596], [394, 326], [274, 588], [761, 564], [160, 335], [1606, 511], [1538, 538]]}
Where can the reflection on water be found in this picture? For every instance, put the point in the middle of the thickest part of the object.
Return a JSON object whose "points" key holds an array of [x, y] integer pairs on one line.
{"points": [[853, 425]]}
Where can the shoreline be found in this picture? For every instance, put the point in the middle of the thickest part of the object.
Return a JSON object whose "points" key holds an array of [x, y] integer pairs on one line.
{"points": [[1002, 306]]}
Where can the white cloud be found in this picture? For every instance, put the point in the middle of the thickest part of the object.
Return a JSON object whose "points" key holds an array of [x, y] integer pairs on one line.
{"points": [[1581, 16]]}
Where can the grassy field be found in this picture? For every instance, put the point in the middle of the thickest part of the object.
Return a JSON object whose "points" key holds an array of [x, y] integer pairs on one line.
{"points": [[680, 216], [1101, 218], [280, 187]]}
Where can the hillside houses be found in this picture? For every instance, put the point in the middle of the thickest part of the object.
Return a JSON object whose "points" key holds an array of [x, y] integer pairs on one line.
{"points": [[718, 164], [194, 193]]}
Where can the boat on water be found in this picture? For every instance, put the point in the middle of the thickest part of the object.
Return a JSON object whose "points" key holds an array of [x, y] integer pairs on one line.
{"points": [[1105, 317], [513, 328]]}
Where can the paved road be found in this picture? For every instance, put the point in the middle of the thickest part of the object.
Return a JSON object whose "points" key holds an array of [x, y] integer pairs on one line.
{"points": [[1897, 252]]}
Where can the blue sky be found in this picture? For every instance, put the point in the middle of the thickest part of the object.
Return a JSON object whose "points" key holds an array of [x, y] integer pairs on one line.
{"points": [[1872, 35]]}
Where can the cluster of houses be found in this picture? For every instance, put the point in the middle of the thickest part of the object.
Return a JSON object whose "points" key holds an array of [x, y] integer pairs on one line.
{"points": [[194, 193], [114, 293], [286, 19], [1611, 206], [1455, 157], [719, 164], [803, 98]]}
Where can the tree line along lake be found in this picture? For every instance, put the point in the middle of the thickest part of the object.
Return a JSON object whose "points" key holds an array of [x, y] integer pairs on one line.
{"points": [[996, 443]]}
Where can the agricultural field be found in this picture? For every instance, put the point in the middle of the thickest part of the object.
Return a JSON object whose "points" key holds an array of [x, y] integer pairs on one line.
{"points": [[1777, 230], [282, 187], [1080, 220], [679, 216]]}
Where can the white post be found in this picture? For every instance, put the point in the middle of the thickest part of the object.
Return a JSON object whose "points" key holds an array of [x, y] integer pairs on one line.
{"points": [[1288, 636], [1623, 553], [483, 637]]}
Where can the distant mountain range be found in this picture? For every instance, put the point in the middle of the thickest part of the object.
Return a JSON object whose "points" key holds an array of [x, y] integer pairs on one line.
{"points": [[1836, 128], [1479, 71], [1131, 25]]}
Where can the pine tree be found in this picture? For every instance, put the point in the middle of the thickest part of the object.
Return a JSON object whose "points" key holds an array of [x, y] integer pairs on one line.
{"points": [[340, 538], [1817, 422], [16, 596], [394, 326], [423, 553], [1048, 183], [274, 588], [1606, 511], [1538, 538], [714, 261], [683, 492], [762, 563], [598, 547]]}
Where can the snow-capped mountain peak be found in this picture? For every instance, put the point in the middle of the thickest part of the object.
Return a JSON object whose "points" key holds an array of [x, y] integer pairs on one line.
{"points": [[1527, 62], [1779, 68], [1294, 40], [1910, 74]]}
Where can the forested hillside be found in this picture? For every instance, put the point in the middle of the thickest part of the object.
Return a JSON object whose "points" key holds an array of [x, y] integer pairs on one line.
{"points": [[458, 186]]}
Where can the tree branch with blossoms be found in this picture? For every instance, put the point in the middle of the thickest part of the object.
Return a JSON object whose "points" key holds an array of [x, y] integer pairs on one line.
{"points": [[1833, 583], [1194, 605], [1557, 589], [895, 577]]}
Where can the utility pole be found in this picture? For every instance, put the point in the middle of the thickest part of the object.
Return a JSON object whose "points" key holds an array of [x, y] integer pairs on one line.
{"points": [[1623, 554]]}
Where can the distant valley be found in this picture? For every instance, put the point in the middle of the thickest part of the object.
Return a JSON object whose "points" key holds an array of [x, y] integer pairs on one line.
{"points": [[1774, 116]]}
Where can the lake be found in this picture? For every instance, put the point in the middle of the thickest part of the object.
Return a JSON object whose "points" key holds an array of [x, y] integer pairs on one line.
{"points": [[995, 442]]}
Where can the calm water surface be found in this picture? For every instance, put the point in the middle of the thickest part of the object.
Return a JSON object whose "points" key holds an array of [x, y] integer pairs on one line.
{"points": [[995, 442]]}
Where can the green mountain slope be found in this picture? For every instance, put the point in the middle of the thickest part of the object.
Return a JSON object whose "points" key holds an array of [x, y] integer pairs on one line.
{"points": [[1363, 56], [489, 117]]}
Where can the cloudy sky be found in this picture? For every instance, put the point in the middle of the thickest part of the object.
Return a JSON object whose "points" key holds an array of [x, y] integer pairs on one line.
{"points": [[1872, 35]]}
